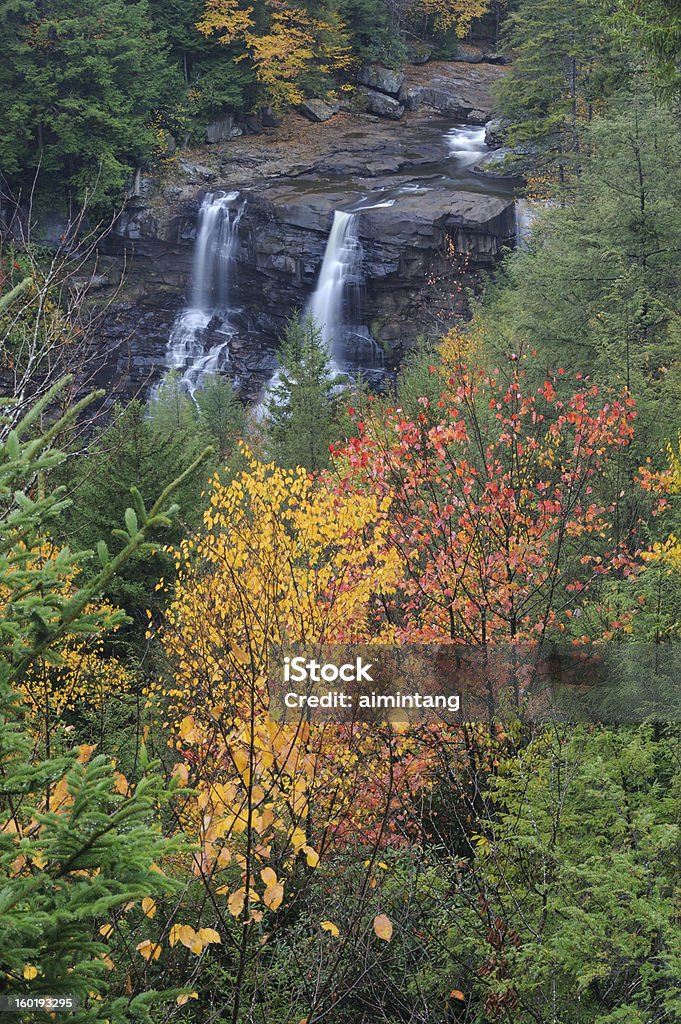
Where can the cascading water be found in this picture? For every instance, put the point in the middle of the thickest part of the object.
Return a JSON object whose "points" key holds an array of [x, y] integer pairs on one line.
{"points": [[216, 244], [335, 304], [340, 263], [525, 215], [467, 144], [335, 307]]}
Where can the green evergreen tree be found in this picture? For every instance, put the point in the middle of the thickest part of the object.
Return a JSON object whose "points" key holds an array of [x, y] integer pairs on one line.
{"points": [[144, 447], [566, 60], [373, 36], [217, 81], [577, 866], [84, 89], [221, 414], [300, 405], [655, 27], [598, 291], [73, 850]]}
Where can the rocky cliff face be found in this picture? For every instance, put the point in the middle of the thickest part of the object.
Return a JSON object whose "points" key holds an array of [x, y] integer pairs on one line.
{"points": [[427, 225]]}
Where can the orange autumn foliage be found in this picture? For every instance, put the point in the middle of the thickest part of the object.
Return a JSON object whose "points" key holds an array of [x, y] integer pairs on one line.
{"points": [[501, 509]]}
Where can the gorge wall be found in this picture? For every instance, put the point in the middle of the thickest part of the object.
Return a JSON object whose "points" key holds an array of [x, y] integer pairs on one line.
{"points": [[427, 222]]}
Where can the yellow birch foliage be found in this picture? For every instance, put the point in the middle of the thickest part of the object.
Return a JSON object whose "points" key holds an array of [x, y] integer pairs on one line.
{"points": [[668, 481], [295, 42], [280, 559], [456, 14]]}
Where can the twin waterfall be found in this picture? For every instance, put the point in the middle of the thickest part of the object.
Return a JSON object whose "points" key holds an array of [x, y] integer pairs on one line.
{"points": [[189, 350], [336, 303], [200, 338]]}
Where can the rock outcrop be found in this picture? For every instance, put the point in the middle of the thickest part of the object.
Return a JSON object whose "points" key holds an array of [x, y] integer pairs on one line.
{"points": [[424, 233], [221, 130], [460, 91], [496, 132]]}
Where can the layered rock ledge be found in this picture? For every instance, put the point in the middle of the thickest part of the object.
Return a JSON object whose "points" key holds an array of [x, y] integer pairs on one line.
{"points": [[433, 228]]}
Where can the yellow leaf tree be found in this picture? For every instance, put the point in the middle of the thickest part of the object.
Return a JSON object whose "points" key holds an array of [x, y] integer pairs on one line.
{"points": [[281, 558], [293, 43], [456, 14], [75, 674]]}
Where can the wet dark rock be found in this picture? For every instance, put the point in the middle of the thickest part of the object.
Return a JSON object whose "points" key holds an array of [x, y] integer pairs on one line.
{"points": [[419, 53], [197, 173], [252, 125], [282, 240], [270, 119], [90, 283], [496, 164], [460, 91], [496, 132], [510, 161]]}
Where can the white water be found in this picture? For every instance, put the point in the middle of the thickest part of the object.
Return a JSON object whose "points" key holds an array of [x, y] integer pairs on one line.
{"points": [[340, 266], [526, 213], [384, 204], [467, 144], [335, 304], [349, 345], [216, 244]]}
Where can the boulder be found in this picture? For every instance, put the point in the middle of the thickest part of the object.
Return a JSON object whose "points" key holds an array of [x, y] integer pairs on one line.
{"points": [[95, 282], [419, 53], [509, 163], [220, 130], [496, 132], [381, 105], [318, 110], [141, 188], [468, 54], [439, 96], [381, 79], [495, 164], [252, 125], [270, 119], [461, 91], [196, 172]]}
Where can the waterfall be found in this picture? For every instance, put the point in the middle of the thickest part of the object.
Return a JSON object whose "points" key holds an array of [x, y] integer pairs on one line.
{"points": [[467, 144], [216, 244], [339, 268], [526, 213], [336, 302]]}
